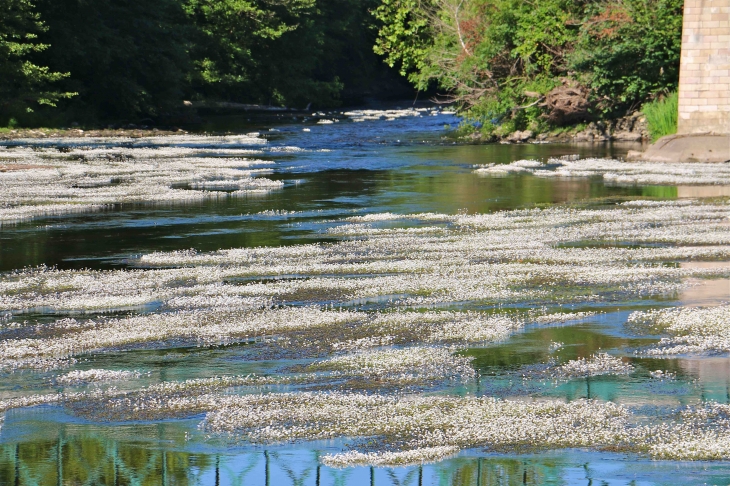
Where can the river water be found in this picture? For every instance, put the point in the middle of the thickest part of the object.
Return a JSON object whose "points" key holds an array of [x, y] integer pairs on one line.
{"points": [[369, 184]]}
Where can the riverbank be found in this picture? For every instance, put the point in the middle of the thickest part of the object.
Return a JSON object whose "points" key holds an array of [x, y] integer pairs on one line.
{"points": [[130, 132], [231, 120], [632, 128]]}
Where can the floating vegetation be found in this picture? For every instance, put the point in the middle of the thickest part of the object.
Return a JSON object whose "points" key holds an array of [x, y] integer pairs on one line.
{"points": [[663, 375], [555, 346], [72, 337], [417, 421], [598, 364], [404, 458], [88, 176], [390, 115], [399, 365], [502, 258], [617, 171], [308, 331], [79, 377], [401, 429], [447, 424], [691, 330], [346, 332]]}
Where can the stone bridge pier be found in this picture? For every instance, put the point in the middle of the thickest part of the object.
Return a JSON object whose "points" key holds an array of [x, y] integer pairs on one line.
{"points": [[704, 72], [703, 131]]}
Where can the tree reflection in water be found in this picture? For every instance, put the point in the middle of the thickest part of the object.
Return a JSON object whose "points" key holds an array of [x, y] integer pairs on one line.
{"points": [[96, 459]]}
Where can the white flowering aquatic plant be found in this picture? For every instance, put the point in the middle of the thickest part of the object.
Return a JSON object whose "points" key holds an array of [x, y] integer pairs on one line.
{"points": [[410, 298], [82, 175], [399, 365], [597, 364], [614, 171], [78, 377], [690, 329]]}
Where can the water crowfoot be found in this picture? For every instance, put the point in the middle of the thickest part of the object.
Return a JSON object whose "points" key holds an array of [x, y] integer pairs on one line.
{"points": [[617, 171], [405, 425], [691, 330], [88, 176], [404, 458], [598, 364], [96, 376], [399, 365]]}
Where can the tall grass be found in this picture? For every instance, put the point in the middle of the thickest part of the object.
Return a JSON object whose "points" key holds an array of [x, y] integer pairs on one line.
{"points": [[661, 116]]}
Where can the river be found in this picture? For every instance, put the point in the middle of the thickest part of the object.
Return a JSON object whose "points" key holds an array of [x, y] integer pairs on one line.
{"points": [[263, 300]]}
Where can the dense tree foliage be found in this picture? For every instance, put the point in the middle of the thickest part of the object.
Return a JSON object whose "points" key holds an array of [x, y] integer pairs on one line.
{"points": [[123, 56], [230, 41], [24, 85], [128, 59], [501, 59], [629, 50]]}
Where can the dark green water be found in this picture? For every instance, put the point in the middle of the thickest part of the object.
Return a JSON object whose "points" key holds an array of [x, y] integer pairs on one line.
{"points": [[405, 166]]}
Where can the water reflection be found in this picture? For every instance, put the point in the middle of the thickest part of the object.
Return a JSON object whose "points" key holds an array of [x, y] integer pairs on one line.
{"points": [[703, 191], [368, 168], [82, 457], [513, 369]]}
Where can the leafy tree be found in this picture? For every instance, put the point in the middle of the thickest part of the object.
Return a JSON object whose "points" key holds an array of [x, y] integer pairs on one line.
{"points": [[405, 35], [485, 53], [502, 60], [629, 50], [24, 85], [127, 58], [329, 52], [230, 36], [290, 53], [130, 60]]}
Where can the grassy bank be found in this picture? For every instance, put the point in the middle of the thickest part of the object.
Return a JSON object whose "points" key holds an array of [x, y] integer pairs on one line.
{"points": [[661, 116]]}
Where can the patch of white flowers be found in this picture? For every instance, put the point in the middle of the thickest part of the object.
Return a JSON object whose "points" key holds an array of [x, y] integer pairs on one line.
{"points": [[500, 258], [598, 364], [73, 338], [390, 115], [433, 427], [690, 329], [407, 429], [90, 174], [663, 375], [555, 346], [614, 171], [402, 458], [418, 421], [78, 377], [399, 365]]}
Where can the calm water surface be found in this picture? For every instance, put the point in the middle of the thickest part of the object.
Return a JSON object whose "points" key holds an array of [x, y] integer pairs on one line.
{"points": [[334, 171]]}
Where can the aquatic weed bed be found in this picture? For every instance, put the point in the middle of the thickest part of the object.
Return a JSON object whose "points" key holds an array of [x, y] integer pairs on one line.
{"points": [[364, 339]]}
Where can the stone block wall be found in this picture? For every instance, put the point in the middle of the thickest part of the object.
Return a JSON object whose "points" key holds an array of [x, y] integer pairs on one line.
{"points": [[704, 78]]}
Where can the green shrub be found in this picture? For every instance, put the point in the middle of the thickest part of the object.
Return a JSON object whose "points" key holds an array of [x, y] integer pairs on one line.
{"points": [[661, 116], [497, 58]]}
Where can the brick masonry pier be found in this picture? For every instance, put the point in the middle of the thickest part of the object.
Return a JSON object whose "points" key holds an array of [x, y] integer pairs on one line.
{"points": [[703, 128], [704, 75]]}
